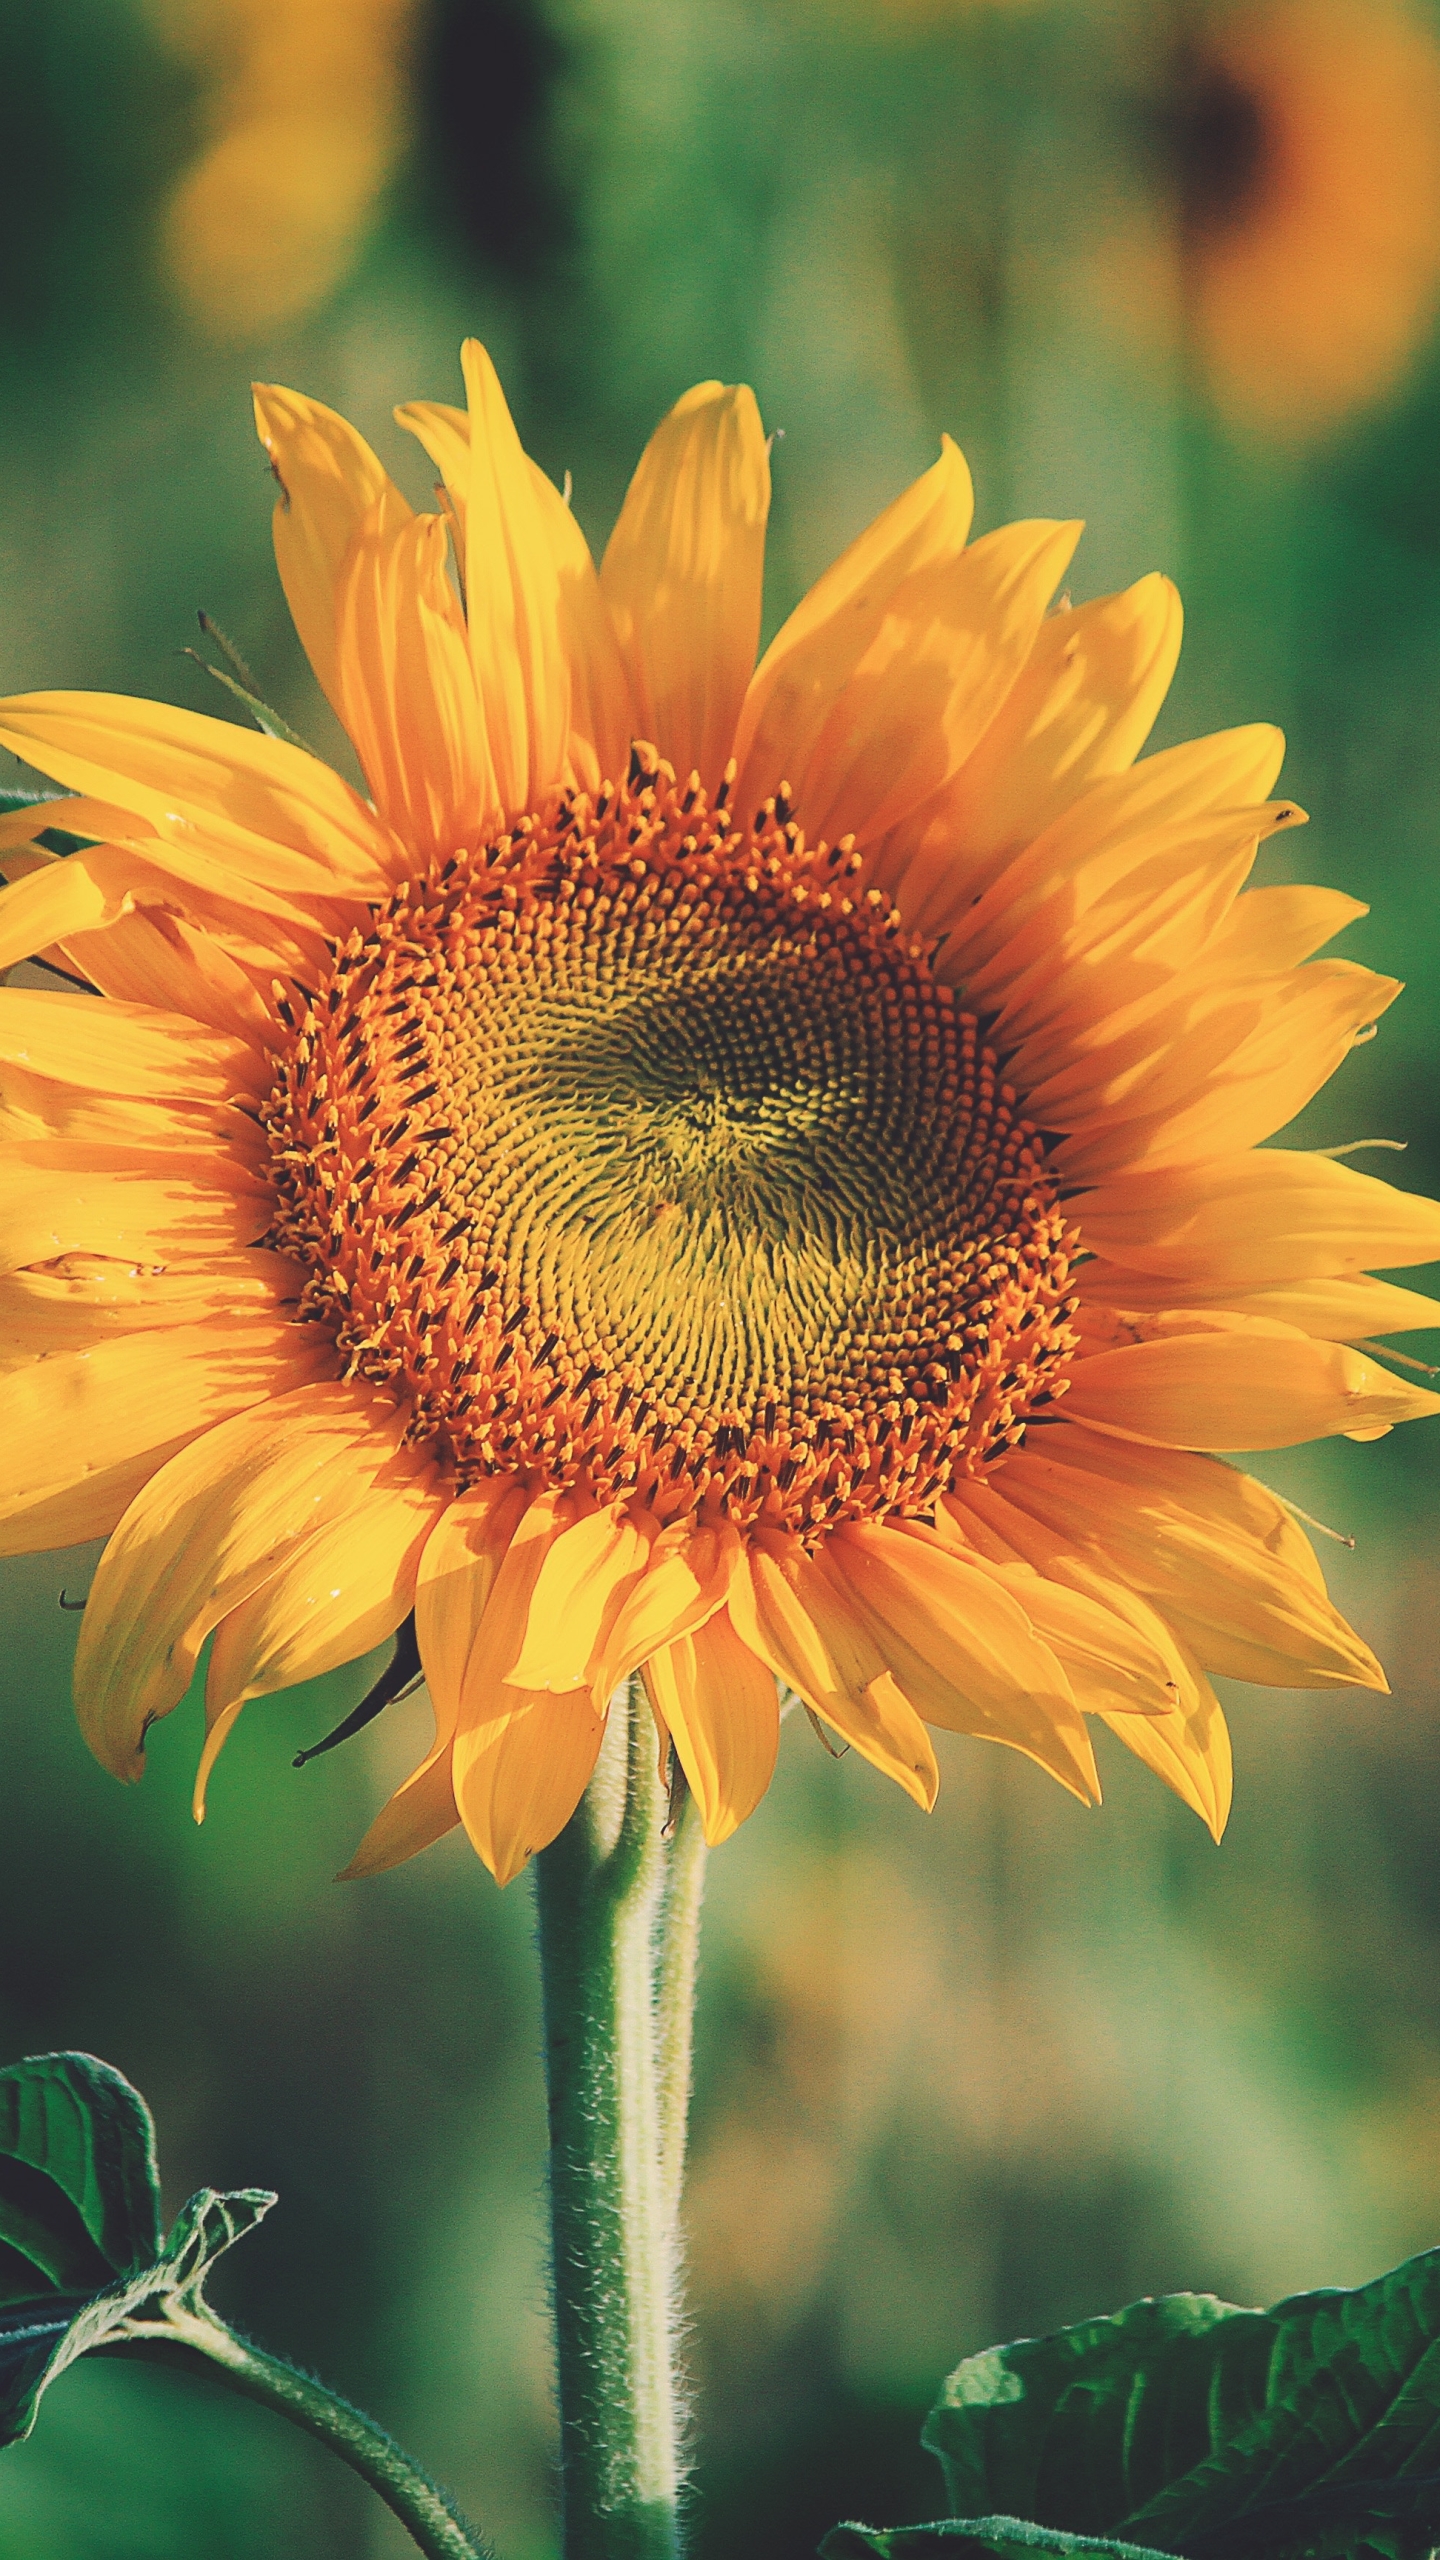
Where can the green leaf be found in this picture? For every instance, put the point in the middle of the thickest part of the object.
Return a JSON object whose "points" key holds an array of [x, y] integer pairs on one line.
{"points": [[973, 2538], [1307, 2432], [81, 2247], [39, 2339], [79, 2188]]}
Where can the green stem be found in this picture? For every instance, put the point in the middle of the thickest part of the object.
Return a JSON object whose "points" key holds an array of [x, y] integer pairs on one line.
{"points": [[677, 1957], [618, 1900], [428, 2514]]}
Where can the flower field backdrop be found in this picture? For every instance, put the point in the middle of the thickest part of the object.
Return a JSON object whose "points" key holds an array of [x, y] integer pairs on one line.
{"points": [[1172, 268]]}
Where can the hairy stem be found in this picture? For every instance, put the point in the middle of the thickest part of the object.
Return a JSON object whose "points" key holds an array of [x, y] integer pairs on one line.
{"points": [[618, 1898], [429, 2515]]}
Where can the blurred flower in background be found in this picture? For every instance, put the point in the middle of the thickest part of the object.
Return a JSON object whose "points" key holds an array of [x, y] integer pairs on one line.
{"points": [[306, 110], [1304, 141]]}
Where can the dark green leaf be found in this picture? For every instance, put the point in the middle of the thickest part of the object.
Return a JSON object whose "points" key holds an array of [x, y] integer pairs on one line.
{"points": [[1307, 2432], [46, 2245], [82, 2253], [79, 2189], [973, 2538], [38, 2340]]}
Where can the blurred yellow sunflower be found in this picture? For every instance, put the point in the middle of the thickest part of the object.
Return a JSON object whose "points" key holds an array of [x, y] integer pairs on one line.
{"points": [[1307, 135], [746, 1175], [306, 111]]}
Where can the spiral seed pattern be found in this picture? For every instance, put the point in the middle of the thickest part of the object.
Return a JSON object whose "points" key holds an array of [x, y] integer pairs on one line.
{"points": [[641, 1152]]}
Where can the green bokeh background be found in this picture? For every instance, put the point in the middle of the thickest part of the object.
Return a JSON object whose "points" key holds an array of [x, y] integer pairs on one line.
{"points": [[957, 2079]]}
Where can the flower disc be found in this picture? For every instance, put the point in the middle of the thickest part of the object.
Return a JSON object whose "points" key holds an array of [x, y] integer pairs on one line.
{"points": [[648, 1156]]}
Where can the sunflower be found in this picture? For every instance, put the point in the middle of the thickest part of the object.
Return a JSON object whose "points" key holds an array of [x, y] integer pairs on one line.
{"points": [[745, 1176], [307, 114], [1306, 145]]}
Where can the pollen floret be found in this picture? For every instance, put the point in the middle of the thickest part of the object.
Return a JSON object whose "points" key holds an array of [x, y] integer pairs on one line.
{"points": [[640, 1151]]}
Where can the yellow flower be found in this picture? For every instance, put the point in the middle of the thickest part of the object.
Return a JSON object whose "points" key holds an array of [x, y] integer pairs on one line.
{"points": [[307, 113], [1309, 143], [774, 1203]]}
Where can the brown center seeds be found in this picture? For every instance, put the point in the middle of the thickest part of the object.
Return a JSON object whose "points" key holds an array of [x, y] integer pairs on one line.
{"points": [[642, 1153]]}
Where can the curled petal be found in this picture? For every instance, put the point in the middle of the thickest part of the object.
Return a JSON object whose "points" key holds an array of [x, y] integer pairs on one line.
{"points": [[688, 1576], [205, 1532], [720, 1707], [962, 1649], [457, 1574], [419, 1813], [588, 1573], [805, 1628], [519, 1776], [348, 1589]]}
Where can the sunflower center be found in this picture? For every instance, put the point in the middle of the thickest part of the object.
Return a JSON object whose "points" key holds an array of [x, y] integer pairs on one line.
{"points": [[640, 1152]]}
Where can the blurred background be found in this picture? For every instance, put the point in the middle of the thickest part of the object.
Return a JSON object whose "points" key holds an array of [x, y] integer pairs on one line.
{"points": [[1172, 267]]}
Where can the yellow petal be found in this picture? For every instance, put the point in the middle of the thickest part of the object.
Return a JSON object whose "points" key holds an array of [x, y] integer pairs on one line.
{"points": [[602, 722], [501, 1625], [1218, 1554], [805, 1628], [1092, 846], [1257, 1220], [260, 924], [682, 575], [882, 729], [962, 1648], [720, 1706], [514, 601], [419, 1813], [1271, 929], [830, 630], [63, 898], [690, 1570], [276, 816], [948, 886], [1246, 1386], [117, 1048], [44, 1215], [1111, 1666], [519, 1776], [601, 718], [1189, 1747], [1181, 1733], [1081, 708], [85, 1431], [202, 1160], [82, 1299], [444, 431], [586, 1577], [1141, 1649], [347, 1589], [1342, 1310], [1219, 1068], [330, 482], [407, 690], [207, 1530], [457, 1575], [74, 815], [151, 957], [1112, 935], [133, 1128]]}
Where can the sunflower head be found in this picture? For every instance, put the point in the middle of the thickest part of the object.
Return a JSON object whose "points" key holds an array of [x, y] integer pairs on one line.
{"points": [[646, 1154], [746, 1177]]}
